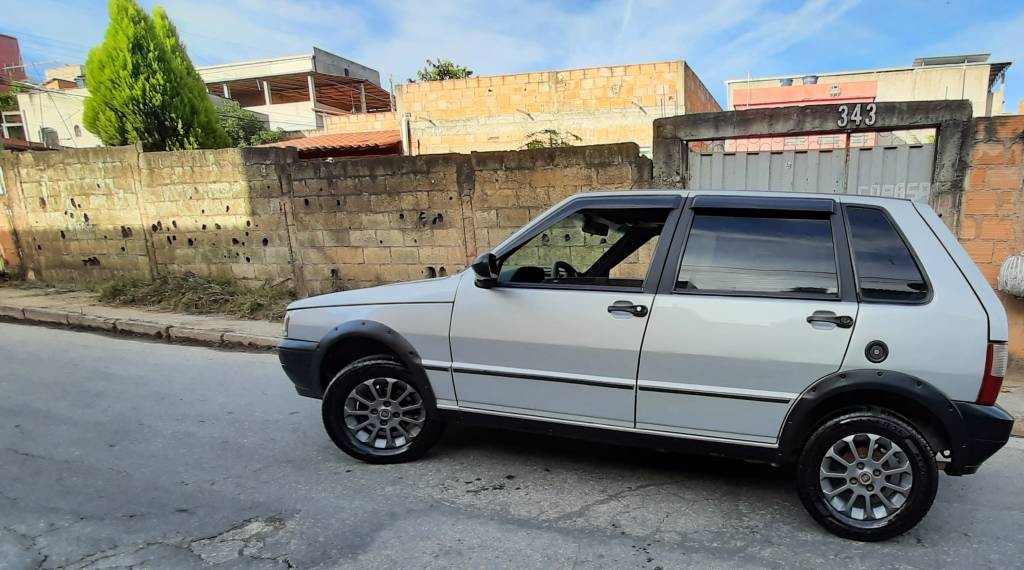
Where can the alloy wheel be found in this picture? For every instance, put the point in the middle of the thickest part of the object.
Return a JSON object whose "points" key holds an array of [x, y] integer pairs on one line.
{"points": [[384, 413], [866, 479]]}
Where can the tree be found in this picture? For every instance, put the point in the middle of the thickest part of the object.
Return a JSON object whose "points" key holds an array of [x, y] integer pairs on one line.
{"points": [[442, 69], [143, 87], [9, 98], [194, 98], [243, 127], [551, 138]]}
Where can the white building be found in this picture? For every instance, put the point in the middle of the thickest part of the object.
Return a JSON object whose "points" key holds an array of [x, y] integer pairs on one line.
{"points": [[296, 92], [289, 93]]}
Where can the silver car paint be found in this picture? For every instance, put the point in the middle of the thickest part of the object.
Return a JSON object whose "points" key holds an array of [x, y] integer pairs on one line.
{"points": [[556, 333], [943, 341], [569, 334], [998, 326], [753, 347], [424, 325]]}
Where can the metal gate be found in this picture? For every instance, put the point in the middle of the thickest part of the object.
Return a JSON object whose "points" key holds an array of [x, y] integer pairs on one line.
{"points": [[900, 171]]}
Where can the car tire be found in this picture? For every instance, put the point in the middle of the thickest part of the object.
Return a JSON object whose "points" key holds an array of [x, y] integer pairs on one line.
{"points": [[362, 393], [886, 465]]}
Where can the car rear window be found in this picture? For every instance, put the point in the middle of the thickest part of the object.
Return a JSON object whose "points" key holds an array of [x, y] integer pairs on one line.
{"points": [[759, 255], [886, 270]]}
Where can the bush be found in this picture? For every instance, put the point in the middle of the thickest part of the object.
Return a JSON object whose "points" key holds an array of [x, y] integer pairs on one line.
{"points": [[190, 293]]}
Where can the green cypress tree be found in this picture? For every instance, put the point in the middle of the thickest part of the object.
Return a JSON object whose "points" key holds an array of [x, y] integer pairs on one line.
{"points": [[193, 102], [139, 93]]}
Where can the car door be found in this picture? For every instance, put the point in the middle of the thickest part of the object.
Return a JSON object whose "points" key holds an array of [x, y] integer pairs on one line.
{"points": [[756, 303], [559, 335]]}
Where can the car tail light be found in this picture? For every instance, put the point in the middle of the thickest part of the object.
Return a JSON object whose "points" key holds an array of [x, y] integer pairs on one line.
{"points": [[995, 369]]}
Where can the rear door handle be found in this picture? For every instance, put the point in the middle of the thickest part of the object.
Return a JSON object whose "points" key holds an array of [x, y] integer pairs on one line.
{"points": [[635, 310], [841, 321]]}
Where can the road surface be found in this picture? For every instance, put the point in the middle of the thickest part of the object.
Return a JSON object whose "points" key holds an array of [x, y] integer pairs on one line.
{"points": [[122, 453]]}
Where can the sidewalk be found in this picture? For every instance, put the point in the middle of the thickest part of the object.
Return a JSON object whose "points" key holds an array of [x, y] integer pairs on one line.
{"points": [[80, 309]]}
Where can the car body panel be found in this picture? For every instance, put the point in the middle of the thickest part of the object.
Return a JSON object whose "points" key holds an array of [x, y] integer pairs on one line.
{"points": [[943, 340], [423, 325], [741, 361], [998, 326], [441, 290], [533, 346]]}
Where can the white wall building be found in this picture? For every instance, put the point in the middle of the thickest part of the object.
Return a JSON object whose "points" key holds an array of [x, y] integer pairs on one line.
{"points": [[296, 92]]}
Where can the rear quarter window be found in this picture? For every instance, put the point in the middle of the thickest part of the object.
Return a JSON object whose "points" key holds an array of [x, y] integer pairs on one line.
{"points": [[885, 267]]}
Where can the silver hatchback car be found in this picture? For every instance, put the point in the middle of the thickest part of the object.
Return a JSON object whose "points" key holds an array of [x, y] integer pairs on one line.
{"points": [[850, 336]]}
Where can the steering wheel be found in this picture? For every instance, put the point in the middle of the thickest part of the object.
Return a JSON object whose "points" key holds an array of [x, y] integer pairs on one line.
{"points": [[564, 266]]}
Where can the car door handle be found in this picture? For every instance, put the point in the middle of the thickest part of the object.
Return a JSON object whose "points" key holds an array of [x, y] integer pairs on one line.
{"points": [[841, 321], [635, 310]]}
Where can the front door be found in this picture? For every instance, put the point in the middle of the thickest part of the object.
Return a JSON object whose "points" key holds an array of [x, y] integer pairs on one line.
{"points": [[754, 309], [559, 336]]}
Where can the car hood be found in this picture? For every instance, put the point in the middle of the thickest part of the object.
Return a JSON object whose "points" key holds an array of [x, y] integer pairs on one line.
{"points": [[441, 290]]}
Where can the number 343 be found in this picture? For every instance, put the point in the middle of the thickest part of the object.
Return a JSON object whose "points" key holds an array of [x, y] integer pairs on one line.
{"points": [[853, 115]]}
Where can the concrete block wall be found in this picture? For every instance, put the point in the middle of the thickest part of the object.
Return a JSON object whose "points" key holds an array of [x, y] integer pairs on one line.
{"points": [[77, 213], [363, 122], [260, 215], [217, 213], [363, 222]]}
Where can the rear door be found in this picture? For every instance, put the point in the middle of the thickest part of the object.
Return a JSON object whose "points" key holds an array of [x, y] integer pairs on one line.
{"points": [[757, 302]]}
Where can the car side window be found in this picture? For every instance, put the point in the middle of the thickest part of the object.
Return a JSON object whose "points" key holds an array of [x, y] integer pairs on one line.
{"points": [[729, 252], [592, 247], [885, 267]]}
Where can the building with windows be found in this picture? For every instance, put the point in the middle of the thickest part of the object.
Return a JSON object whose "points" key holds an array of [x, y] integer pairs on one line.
{"points": [[287, 93], [972, 77], [298, 92]]}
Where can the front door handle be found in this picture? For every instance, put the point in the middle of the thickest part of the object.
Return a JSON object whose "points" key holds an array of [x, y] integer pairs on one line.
{"points": [[626, 307], [841, 321]]}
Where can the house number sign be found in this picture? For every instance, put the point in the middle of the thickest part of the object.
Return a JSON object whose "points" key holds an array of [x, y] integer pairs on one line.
{"points": [[856, 115]]}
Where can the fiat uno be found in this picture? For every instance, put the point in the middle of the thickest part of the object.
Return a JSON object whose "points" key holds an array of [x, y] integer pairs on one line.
{"points": [[849, 336]]}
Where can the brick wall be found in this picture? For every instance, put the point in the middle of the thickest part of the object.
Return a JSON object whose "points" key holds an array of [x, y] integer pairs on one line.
{"points": [[992, 208], [598, 104], [697, 98], [260, 215], [363, 122]]}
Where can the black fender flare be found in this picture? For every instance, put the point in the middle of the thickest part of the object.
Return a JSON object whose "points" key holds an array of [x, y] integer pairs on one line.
{"points": [[805, 412], [371, 330]]}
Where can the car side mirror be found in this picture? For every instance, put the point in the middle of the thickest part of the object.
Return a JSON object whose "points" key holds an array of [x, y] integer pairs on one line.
{"points": [[486, 269]]}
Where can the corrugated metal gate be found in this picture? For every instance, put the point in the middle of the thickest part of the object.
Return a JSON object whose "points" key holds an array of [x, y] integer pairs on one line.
{"points": [[900, 171]]}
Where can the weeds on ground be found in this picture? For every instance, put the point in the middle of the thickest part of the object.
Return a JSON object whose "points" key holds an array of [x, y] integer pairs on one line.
{"points": [[190, 293]]}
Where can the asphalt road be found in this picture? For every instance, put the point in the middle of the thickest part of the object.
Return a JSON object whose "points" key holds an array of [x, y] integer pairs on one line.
{"points": [[125, 453]]}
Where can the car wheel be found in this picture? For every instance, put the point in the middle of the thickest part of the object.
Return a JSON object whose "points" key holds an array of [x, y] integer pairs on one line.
{"points": [[377, 411], [867, 475]]}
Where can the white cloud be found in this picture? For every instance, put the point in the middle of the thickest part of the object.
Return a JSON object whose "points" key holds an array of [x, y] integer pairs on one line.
{"points": [[722, 40]]}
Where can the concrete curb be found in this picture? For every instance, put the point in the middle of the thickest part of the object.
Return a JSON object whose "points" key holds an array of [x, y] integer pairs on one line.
{"points": [[136, 327]]}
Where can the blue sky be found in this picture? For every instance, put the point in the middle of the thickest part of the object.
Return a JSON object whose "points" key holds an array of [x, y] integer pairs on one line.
{"points": [[722, 39]]}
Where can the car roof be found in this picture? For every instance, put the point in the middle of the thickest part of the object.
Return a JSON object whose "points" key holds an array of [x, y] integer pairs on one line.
{"points": [[784, 195]]}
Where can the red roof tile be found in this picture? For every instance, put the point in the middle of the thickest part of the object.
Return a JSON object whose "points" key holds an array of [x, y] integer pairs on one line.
{"points": [[339, 141]]}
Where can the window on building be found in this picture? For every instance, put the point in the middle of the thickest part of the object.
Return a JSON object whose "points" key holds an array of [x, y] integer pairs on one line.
{"points": [[78, 131], [886, 270], [759, 255], [346, 72]]}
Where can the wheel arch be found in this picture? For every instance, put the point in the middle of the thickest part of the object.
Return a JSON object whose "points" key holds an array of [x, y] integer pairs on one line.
{"points": [[920, 403], [359, 338]]}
